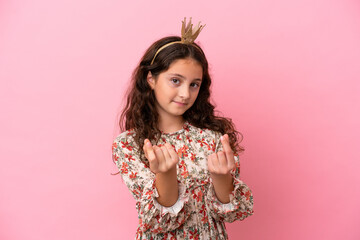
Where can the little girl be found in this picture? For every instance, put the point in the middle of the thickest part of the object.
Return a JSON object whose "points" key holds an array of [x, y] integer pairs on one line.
{"points": [[178, 159]]}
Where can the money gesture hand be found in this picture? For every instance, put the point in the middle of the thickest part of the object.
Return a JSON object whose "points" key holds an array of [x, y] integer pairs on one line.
{"points": [[161, 159], [221, 163]]}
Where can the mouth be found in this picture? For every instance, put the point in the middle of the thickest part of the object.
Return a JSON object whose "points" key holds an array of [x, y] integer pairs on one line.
{"points": [[180, 103]]}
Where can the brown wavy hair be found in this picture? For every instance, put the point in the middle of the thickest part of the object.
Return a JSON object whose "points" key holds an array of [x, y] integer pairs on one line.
{"points": [[140, 113]]}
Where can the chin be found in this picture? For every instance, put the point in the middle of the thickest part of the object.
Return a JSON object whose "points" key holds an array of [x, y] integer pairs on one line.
{"points": [[179, 113]]}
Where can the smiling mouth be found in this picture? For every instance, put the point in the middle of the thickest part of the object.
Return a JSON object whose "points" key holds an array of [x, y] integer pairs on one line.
{"points": [[180, 103]]}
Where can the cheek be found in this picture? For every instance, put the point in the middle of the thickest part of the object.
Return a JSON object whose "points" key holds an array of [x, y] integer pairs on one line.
{"points": [[163, 94], [195, 94]]}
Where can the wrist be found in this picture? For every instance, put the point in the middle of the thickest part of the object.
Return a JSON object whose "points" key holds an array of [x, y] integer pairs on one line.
{"points": [[223, 186], [167, 186], [168, 174], [221, 177]]}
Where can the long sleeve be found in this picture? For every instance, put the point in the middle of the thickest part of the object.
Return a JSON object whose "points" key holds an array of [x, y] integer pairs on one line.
{"points": [[241, 198], [141, 182]]}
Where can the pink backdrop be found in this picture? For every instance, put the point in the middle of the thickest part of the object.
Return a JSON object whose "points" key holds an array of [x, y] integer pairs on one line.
{"points": [[287, 73]]}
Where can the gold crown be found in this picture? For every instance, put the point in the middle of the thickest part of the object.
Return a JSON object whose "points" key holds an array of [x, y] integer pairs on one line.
{"points": [[188, 35]]}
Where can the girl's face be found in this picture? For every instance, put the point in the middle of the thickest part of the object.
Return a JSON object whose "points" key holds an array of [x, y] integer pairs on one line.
{"points": [[177, 88]]}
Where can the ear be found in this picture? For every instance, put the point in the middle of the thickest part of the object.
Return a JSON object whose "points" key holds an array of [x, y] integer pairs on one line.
{"points": [[150, 80]]}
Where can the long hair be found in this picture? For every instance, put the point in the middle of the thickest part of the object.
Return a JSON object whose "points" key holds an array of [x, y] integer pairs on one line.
{"points": [[139, 113]]}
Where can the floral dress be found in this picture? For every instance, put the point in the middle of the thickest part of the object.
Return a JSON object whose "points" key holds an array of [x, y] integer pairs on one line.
{"points": [[197, 214]]}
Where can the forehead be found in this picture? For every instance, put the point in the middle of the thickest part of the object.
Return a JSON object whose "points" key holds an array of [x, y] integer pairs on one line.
{"points": [[186, 66]]}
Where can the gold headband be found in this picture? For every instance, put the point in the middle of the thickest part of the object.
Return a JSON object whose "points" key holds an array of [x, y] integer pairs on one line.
{"points": [[187, 36]]}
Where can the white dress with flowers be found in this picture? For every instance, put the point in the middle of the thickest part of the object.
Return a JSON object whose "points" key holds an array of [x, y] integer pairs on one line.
{"points": [[197, 214]]}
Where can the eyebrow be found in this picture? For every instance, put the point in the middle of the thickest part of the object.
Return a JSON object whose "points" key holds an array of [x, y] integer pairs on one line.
{"points": [[181, 76]]}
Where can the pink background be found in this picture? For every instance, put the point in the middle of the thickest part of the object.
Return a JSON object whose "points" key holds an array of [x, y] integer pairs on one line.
{"points": [[287, 73]]}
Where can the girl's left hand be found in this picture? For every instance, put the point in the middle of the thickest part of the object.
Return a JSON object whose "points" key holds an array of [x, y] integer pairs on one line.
{"points": [[221, 163]]}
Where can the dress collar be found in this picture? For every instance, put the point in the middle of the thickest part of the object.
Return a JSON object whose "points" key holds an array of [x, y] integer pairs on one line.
{"points": [[184, 128]]}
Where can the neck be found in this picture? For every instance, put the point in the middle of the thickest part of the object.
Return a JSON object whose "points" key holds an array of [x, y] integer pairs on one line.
{"points": [[171, 125]]}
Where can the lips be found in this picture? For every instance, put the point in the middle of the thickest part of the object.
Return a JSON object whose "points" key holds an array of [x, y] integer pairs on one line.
{"points": [[180, 103]]}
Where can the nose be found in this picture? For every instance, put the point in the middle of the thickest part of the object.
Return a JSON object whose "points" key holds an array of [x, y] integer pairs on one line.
{"points": [[184, 92]]}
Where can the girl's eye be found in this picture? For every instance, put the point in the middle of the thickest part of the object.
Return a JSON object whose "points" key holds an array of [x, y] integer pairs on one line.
{"points": [[174, 80], [195, 85]]}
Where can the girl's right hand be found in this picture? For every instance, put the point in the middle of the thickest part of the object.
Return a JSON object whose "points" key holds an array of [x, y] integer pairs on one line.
{"points": [[162, 159]]}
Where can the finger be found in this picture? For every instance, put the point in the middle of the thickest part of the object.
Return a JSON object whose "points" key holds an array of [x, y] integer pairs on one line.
{"points": [[215, 162], [222, 160], [211, 167], [228, 151], [167, 157], [150, 151], [235, 164], [159, 155], [154, 163], [172, 152]]}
